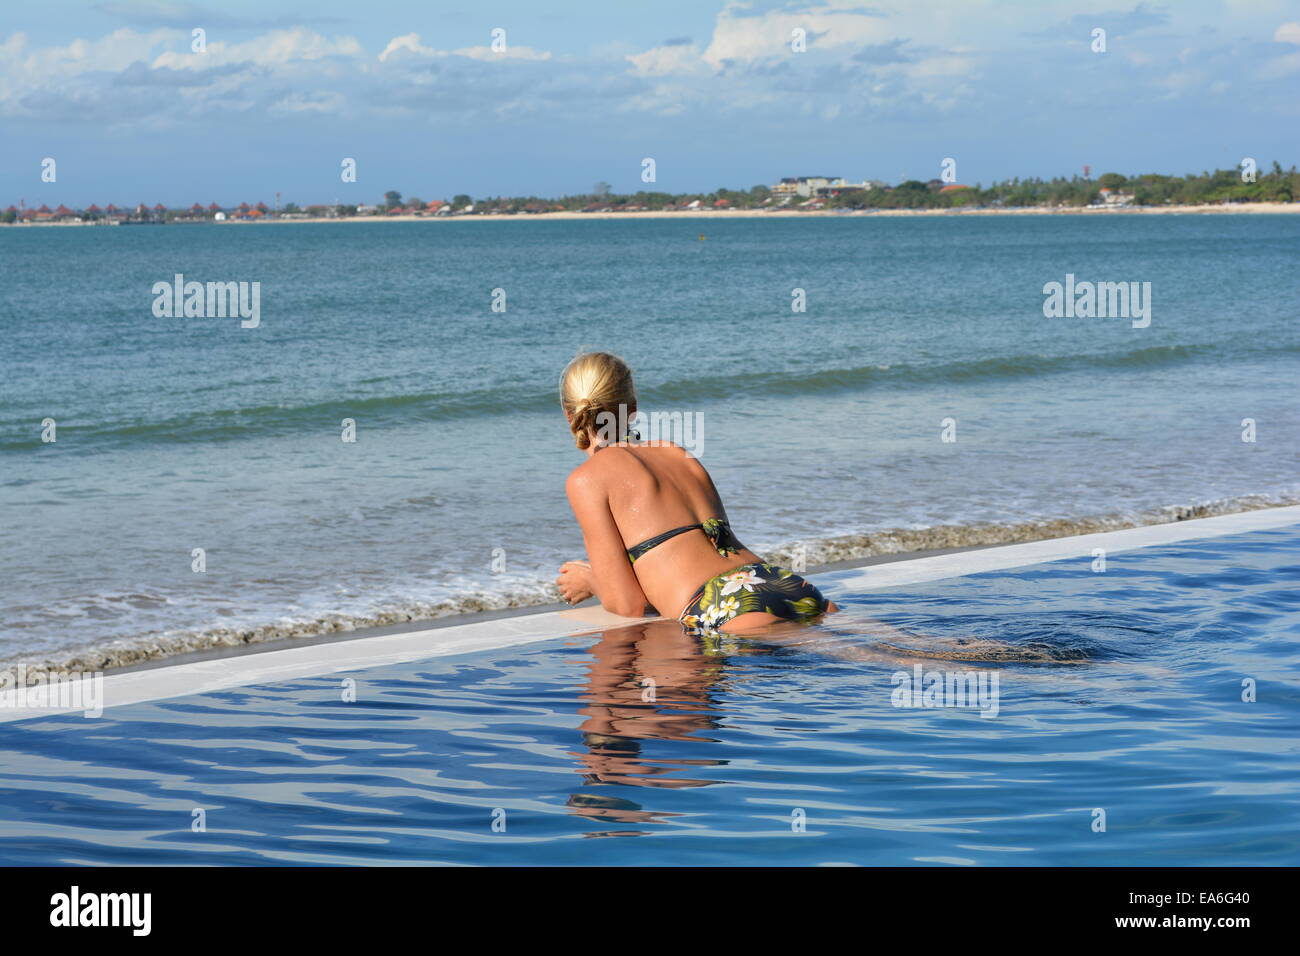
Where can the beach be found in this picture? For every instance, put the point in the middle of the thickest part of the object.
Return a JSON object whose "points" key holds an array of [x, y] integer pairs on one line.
{"points": [[1257, 208]]}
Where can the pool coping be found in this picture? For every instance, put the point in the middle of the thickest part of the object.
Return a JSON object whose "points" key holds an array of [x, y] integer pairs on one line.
{"points": [[364, 653]]}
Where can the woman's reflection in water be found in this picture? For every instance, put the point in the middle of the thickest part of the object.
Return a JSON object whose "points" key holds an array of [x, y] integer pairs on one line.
{"points": [[653, 681], [648, 681]]}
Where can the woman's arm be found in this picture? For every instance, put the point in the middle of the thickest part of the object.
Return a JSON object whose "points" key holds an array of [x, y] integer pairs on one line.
{"points": [[575, 581], [610, 576]]}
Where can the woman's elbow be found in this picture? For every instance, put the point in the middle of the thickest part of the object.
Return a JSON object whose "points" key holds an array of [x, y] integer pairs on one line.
{"points": [[624, 607]]}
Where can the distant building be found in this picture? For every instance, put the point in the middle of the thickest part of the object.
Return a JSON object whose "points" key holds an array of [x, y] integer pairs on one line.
{"points": [[786, 188], [811, 187], [805, 186], [1113, 197]]}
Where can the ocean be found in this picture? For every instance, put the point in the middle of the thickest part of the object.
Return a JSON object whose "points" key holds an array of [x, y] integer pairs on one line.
{"points": [[199, 490]]}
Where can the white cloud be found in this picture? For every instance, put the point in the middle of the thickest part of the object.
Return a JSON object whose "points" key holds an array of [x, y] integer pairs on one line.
{"points": [[112, 53], [276, 48], [410, 43], [679, 60], [915, 59], [739, 36], [1288, 33], [509, 53]]}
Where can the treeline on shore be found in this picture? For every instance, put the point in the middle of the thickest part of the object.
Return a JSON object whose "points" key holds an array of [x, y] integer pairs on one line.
{"points": [[1150, 189]]}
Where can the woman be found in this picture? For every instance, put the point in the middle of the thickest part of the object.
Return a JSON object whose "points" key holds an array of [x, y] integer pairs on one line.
{"points": [[655, 529]]}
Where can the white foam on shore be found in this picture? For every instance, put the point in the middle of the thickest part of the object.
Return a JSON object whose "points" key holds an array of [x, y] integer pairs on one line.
{"points": [[348, 656], [522, 592]]}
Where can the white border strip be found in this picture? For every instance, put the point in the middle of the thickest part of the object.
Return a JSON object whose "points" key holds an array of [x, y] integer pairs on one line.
{"points": [[202, 677], [918, 570]]}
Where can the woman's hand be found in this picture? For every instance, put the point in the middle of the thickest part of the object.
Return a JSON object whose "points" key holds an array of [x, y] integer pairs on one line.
{"points": [[575, 582]]}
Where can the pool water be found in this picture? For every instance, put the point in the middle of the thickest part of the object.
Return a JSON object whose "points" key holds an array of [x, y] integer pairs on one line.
{"points": [[1120, 737]]}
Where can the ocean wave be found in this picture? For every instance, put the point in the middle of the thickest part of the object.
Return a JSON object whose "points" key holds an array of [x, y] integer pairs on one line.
{"points": [[230, 424], [904, 373], [817, 552]]}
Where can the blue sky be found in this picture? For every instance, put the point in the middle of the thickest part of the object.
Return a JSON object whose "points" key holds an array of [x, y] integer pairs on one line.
{"points": [[583, 91]]}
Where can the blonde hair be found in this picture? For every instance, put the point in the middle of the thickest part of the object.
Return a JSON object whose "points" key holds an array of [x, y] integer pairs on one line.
{"points": [[595, 382]]}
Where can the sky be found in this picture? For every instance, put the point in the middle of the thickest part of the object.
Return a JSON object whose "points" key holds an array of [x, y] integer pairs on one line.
{"points": [[529, 98]]}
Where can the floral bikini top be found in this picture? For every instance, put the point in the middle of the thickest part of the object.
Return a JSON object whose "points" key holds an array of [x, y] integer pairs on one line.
{"points": [[716, 530]]}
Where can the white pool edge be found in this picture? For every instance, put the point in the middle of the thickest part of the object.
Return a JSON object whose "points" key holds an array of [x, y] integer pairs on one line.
{"points": [[363, 653]]}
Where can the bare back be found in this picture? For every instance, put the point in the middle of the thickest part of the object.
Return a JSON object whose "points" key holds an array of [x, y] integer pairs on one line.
{"points": [[652, 488]]}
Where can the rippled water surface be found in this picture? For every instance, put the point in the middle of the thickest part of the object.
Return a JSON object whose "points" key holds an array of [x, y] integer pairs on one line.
{"points": [[1118, 691]]}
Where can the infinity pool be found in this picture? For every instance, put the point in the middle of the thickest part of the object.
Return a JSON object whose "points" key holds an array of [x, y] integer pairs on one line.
{"points": [[1116, 734]]}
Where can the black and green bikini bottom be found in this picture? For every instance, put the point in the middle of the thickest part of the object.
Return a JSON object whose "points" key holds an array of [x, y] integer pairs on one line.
{"points": [[750, 588]]}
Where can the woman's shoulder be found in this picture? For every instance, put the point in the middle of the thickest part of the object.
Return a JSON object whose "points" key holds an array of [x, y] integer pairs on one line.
{"points": [[672, 448]]}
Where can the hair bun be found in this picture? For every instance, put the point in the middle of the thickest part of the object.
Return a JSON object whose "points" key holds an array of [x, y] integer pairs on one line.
{"points": [[594, 382]]}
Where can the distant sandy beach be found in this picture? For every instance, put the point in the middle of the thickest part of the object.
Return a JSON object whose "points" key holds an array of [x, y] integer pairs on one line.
{"points": [[1272, 207], [1262, 208]]}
